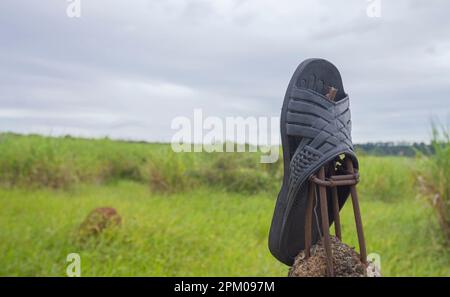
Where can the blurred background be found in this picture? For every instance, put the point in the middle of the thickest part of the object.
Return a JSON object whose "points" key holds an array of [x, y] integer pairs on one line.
{"points": [[89, 89]]}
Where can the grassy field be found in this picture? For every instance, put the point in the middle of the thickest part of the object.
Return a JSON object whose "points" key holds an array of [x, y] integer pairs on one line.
{"points": [[186, 214]]}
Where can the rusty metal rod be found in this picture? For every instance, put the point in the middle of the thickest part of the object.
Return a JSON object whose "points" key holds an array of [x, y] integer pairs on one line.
{"points": [[308, 218], [325, 223], [337, 218], [344, 177], [357, 213], [330, 183], [351, 178]]}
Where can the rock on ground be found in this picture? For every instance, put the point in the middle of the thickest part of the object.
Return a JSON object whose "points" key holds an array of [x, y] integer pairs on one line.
{"points": [[346, 261], [98, 220]]}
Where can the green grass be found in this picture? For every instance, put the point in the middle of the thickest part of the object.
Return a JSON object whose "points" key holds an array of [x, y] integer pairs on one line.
{"points": [[186, 214], [201, 233], [387, 179], [434, 177]]}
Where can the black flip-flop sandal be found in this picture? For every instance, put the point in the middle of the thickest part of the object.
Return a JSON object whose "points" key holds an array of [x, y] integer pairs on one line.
{"points": [[314, 131]]}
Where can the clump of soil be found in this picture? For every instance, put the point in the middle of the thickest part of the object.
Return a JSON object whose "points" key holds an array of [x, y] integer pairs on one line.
{"points": [[98, 220], [346, 262]]}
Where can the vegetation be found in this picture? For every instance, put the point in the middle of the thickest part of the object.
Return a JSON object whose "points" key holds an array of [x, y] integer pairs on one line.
{"points": [[434, 178], [63, 163], [192, 213], [394, 149]]}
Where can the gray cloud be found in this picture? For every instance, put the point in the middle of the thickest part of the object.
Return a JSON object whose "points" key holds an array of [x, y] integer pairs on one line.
{"points": [[126, 69]]}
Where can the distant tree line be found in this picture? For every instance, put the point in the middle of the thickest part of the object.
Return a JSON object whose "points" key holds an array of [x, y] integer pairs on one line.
{"points": [[394, 149]]}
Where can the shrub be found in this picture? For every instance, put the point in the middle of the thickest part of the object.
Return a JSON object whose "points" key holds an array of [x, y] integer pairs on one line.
{"points": [[237, 173], [32, 163], [119, 166], [434, 178], [168, 173]]}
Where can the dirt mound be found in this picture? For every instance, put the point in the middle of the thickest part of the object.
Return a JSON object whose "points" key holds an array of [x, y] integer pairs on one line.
{"points": [[346, 261], [98, 220]]}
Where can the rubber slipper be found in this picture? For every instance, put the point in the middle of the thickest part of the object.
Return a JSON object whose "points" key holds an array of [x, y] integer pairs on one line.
{"points": [[314, 131]]}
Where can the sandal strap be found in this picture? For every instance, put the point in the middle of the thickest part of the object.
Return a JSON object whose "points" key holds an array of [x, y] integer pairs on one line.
{"points": [[325, 131]]}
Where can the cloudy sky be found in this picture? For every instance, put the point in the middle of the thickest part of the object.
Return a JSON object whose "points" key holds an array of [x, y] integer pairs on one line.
{"points": [[125, 69]]}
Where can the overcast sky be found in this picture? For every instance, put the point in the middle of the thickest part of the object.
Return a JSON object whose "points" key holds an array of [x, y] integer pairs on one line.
{"points": [[125, 69]]}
